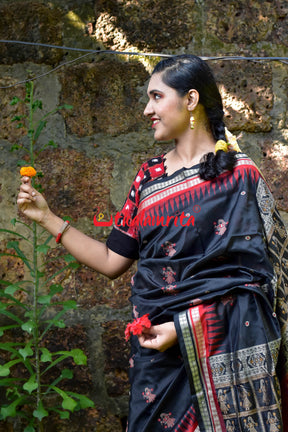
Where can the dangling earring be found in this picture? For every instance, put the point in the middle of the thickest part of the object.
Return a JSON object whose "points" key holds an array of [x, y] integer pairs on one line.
{"points": [[192, 122]]}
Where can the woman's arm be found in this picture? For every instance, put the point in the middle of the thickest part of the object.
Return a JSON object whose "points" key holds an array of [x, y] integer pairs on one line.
{"points": [[86, 250]]}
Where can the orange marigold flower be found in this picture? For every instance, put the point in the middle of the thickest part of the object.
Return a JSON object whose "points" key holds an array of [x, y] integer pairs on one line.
{"points": [[137, 326], [28, 171]]}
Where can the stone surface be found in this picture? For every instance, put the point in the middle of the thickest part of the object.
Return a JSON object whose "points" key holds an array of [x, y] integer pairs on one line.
{"points": [[11, 267], [236, 22], [144, 24], [104, 96], [91, 420], [9, 130], [39, 23], [116, 351], [74, 184], [86, 286], [247, 95], [275, 167]]}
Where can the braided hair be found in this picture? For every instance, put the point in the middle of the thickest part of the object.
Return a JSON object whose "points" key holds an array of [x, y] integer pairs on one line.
{"points": [[185, 72]]}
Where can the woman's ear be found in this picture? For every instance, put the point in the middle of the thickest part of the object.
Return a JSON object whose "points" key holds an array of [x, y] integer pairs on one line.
{"points": [[193, 99]]}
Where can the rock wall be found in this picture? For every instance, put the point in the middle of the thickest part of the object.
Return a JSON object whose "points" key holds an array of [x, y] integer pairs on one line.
{"points": [[105, 137]]}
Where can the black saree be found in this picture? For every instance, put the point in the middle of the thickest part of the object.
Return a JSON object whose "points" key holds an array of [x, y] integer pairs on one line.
{"points": [[213, 259]]}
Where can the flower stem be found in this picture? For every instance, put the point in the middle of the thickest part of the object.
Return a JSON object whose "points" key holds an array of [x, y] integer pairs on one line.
{"points": [[35, 273]]}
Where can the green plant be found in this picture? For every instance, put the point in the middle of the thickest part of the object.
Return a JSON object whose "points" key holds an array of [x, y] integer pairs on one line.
{"points": [[27, 392]]}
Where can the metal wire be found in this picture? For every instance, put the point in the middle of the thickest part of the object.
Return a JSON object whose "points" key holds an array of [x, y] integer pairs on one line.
{"points": [[129, 53]]}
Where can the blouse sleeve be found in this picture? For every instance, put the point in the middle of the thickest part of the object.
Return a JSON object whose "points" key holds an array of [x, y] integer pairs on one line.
{"points": [[124, 235], [123, 238]]}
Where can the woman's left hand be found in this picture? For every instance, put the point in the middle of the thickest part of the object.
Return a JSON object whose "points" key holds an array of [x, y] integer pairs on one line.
{"points": [[159, 337]]}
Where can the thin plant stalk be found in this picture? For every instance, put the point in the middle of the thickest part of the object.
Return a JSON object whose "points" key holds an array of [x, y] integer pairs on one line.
{"points": [[35, 266]]}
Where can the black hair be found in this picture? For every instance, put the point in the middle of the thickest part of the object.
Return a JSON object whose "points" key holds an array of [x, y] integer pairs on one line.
{"points": [[185, 72]]}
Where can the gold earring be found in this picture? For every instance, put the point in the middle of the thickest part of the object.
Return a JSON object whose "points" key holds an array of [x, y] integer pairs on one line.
{"points": [[192, 122]]}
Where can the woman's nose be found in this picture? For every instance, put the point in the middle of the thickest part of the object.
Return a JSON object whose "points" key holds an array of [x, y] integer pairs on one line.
{"points": [[148, 109]]}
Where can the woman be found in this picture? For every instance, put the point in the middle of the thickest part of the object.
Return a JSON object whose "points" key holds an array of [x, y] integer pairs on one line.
{"points": [[211, 251]]}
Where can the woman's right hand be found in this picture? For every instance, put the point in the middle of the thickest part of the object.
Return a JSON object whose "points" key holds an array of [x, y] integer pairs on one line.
{"points": [[31, 202]]}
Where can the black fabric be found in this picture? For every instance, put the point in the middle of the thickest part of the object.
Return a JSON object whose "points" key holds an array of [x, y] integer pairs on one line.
{"points": [[122, 244]]}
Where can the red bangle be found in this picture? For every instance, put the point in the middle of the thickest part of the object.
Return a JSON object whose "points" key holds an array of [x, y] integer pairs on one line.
{"points": [[64, 228]]}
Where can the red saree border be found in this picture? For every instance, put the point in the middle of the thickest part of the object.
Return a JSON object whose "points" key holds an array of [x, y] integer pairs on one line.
{"points": [[189, 183], [194, 333]]}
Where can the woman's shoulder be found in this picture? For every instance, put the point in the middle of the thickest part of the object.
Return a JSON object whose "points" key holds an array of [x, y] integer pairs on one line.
{"points": [[245, 161], [244, 164], [153, 168]]}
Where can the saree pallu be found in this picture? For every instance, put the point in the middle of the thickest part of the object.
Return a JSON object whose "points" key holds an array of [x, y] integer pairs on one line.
{"points": [[213, 259]]}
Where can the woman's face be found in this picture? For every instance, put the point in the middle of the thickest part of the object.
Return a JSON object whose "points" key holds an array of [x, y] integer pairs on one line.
{"points": [[168, 111]]}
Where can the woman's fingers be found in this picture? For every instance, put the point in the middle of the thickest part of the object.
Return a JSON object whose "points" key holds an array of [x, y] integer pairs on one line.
{"points": [[26, 193], [31, 202], [159, 337], [26, 180]]}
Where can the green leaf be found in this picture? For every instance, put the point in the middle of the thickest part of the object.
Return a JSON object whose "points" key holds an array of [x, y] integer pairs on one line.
{"points": [[30, 428], [30, 385], [3, 307], [37, 104], [13, 221], [30, 133], [78, 356], [5, 369], [17, 118], [11, 289], [9, 314], [84, 401], [68, 403], [51, 143], [74, 265], [42, 124], [39, 188], [55, 289], [15, 100], [69, 258], [6, 382], [40, 413], [65, 106], [45, 299], [58, 323], [26, 351], [46, 355], [14, 233], [10, 410], [64, 415], [43, 248], [66, 374], [69, 304], [15, 245], [4, 328], [28, 326]]}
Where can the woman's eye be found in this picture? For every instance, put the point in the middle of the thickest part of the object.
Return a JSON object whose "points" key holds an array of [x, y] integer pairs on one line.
{"points": [[157, 96]]}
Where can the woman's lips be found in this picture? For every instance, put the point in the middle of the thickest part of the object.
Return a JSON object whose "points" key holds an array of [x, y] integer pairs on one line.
{"points": [[154, 122]]}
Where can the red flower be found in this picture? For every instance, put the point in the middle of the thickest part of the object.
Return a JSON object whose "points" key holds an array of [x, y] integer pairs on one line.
{"points": [[136, 327]]}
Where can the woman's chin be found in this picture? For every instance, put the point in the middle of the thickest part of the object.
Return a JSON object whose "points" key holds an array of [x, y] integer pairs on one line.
{"points": [[161, 137]]}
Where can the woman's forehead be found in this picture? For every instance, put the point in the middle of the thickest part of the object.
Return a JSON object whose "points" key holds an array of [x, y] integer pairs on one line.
{"points": [[156, 83]]}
